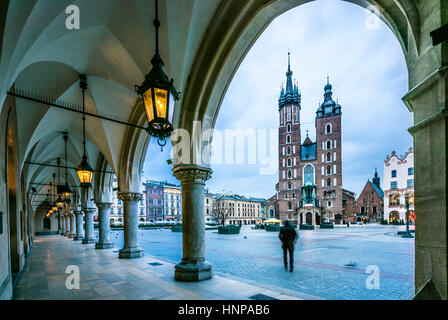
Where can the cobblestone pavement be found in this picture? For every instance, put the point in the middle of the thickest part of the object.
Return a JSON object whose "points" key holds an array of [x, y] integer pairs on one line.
{"points": [[255, 256]]}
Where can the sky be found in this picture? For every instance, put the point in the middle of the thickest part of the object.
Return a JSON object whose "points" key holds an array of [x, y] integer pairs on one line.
{"points": [[366, 66]]}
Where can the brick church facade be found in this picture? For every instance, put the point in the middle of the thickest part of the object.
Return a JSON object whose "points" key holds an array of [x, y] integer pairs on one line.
{"points": [[310, 173]]}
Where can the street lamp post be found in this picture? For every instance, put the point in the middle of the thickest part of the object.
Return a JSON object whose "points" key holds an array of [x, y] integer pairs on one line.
{"points": [[407, 234]]}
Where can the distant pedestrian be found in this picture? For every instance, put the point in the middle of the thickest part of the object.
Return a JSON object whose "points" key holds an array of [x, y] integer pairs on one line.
{"points": [[288, 236]]}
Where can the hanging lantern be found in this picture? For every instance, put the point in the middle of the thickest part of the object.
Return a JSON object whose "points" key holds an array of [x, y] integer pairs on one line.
{"points": [[85, 172], [159, 95], [60, 202]]}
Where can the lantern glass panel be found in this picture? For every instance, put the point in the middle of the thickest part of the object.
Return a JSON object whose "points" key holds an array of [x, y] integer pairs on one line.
{"points": [[161, 96], [147, 101], [171, 109], [85, 176]]}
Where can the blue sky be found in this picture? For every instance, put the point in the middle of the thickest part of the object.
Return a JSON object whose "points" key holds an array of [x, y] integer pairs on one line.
{"points": [[368, 72]]}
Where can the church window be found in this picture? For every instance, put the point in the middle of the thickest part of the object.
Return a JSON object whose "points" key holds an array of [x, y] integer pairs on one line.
{"points": [[283, 162], [329, 204], [328, 157], [294, 161], [283, 151], [288, 139], [328, 145], [328, 170], [295, 173], [328, 182], [295, 185], [288, 128], [335, 183], [294, 149], [289, 162], [289, 185], [323, 170], [281, 117], [284, 183], [323, 183], [296, 114], [284, 177], [288, 118], [334, 169], [323, 157], [289, 174], [323, 146], [308, 174], [293, 195], [288, 150], [334, 156], [328, 129]]}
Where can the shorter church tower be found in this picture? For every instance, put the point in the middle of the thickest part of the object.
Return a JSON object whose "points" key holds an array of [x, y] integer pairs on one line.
{"points": [[329, 155]]}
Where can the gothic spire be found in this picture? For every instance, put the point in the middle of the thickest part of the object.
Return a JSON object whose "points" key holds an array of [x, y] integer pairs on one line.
{"points": [[289, 73]]}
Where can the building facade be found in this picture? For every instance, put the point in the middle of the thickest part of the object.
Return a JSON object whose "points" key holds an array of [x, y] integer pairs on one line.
{"points": [[154, 201], [398, 183], [370, 203], [349, 207], [239, 209], [310, 173], [172, 201]]}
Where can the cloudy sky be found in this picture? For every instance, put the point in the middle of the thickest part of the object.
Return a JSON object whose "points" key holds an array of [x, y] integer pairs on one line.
{"points": [[366, 67]]}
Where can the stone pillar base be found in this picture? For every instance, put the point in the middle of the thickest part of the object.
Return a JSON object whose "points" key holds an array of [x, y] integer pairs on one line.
{"points": [[70, 236], [193, 272], [78, 238], [130, 253], [104, 245], [88, 241]]}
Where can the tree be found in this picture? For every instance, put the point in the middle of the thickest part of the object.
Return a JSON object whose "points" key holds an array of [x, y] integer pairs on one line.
{"points": [[221, 209]]}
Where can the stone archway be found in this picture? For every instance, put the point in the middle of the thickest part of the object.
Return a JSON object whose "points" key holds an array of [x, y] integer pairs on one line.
{"points": [[309, 218]]}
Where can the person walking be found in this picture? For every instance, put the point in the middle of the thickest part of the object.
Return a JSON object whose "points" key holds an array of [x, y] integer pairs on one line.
{"points": [[288, 236]]}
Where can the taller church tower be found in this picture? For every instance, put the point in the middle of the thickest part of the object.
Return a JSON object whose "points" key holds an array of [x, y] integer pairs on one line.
{"points": [[289, 147]]}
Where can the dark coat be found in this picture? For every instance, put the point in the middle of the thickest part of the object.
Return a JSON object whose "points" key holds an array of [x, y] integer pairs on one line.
{"points": [[288, 235]]}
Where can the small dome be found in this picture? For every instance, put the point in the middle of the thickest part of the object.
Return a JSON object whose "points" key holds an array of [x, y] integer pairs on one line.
{"points": [[328, 87]]}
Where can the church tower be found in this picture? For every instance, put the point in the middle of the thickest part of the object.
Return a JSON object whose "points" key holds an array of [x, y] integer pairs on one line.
{"points": [[329, 155], [289, 147]]}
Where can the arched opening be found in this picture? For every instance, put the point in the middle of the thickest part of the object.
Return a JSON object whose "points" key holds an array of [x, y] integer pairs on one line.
{"points": [[309, 218], [46, 224]]}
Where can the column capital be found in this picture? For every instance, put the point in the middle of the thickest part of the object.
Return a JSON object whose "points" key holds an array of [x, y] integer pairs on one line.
{"points": [[104, 205], [192, 173], [130, 196]]}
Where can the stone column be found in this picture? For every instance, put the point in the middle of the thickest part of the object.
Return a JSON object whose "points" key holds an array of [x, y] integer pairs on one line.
{"points": [[68, 215], [79, 226], [314, 218], [88, 216], [104, 226], [62, 222], [72, 226], [193, 266], [131, 248], [89, 236], [60, 230], [66, 227]]}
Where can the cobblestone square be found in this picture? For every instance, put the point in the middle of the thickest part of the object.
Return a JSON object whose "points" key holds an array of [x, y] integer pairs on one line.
{"points": [[255, 256]]}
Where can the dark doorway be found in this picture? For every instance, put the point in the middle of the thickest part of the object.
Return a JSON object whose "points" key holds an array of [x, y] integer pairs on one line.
{"points": [[309, 218], [317, 219], [47, 223]]}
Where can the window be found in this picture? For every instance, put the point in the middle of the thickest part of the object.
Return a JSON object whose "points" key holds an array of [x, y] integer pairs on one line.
{"points": [[288, 128], [393, 185], [328, 170], [328, 182], [289, 185], [288, 139], [308, 174], [289, 174], [394, 173], [329, 204], [334, 156], [328, 145], [111, 211], [119, 211], [410, 171], [289, 162], [289, 205], [288, 150], [328, 129], [334, 169], [328, 157], [288, 116], [411, 183]]}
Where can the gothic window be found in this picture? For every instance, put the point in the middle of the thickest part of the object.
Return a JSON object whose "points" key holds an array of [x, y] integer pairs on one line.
{"points": [[289, 174], [288, 128], [328, 145], [288, 150], [328, 157], [328, 182], [335, 182], [289, 114], [296, 114], [308, 174], [289, 162], [295, 185], [293, 195], [334, 169], [323, 157], [323, 170], [288, 139], [328, 128], [328, 170], [289, 185], [334, 156], [289, 205]]}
